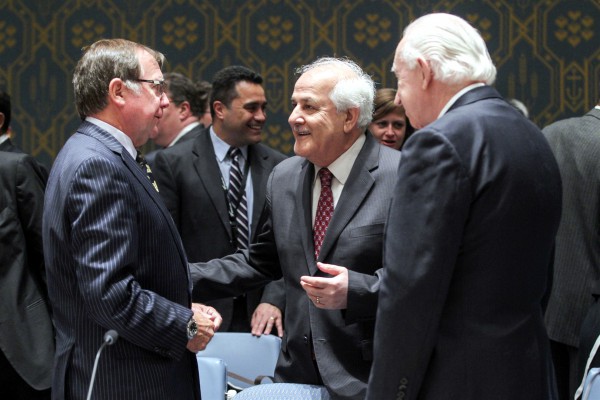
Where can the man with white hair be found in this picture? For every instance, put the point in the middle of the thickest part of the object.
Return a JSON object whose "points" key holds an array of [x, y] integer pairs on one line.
{"points": [[470, 234], [327, 205]]}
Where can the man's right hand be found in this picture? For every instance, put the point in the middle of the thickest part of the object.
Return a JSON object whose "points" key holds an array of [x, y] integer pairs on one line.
{"points": [[205, 332]]}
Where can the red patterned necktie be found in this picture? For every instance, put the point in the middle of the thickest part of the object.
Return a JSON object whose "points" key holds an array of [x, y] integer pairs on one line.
{"points": [[324, 210]]}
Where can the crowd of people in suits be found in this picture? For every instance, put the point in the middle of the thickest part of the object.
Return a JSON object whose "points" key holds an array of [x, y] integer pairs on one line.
{"points": [[413, 248]]}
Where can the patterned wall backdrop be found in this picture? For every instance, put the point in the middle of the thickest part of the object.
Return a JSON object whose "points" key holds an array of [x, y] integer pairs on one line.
{"points": [[546, 51]]}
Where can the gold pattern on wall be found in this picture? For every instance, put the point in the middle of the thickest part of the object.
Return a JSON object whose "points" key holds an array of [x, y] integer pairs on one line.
{"points": [[574, 28], [546, 52], [180, 32], [7, 35], [372, 30]]}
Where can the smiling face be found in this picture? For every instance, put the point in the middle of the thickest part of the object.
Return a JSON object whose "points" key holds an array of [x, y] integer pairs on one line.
{"points": [[322, 133], [241, 123], [144, 108], [390, 129]]}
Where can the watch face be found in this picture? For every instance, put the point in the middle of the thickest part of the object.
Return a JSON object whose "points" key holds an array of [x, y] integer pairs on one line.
{"points": [[192, 329]]}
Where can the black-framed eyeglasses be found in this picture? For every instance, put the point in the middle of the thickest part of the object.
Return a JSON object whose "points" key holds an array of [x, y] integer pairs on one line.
{"points": [[159, 85]]}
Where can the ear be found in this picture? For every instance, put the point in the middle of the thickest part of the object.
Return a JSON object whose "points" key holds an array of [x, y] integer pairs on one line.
{"points": [[219, 109], [351, 119], [184, 111], [117, 92], [426, 73]]}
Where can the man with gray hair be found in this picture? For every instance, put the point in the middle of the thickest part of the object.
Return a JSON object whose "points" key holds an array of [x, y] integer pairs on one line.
{"points": [[470, 234], [326, 205]]}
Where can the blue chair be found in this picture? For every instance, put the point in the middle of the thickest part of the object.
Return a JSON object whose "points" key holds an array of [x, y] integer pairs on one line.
{"points": [[283, 391], [213, 378], [249, 358], [591, 387]]}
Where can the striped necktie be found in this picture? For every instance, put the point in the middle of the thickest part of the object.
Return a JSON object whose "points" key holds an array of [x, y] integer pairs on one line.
{"points": [[237, 200]]}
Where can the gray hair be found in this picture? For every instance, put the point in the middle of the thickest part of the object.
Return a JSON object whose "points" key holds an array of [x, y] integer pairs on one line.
{"points": [[101, 62], [349, 92], [455, 50]]}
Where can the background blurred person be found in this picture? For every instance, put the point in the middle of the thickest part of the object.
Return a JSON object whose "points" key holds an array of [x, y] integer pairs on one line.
{"points": [[187, 114], [26, 332], [390, 125]]}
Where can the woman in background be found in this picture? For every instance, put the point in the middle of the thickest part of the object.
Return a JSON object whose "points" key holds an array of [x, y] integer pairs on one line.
{"points": [[389, 126]]}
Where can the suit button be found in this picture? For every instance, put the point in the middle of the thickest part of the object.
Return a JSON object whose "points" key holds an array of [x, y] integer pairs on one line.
{"points": [[404, 381], [305, 339]]}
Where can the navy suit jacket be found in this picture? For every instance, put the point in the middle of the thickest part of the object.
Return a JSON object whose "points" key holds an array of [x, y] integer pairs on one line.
{"points": [[26, 332], [115, 261], [340, 341], [469, 241]]}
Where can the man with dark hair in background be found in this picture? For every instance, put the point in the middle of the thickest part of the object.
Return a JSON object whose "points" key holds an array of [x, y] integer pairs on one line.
{"points": [[187, 114], [195, 182]]}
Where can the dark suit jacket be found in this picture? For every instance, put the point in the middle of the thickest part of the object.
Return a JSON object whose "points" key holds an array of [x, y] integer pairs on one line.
{"points": [[26, 333], [115, 261], [468, 246], [189, 180], [151, 156], [341, 339], [9, 146], [575, 143]]}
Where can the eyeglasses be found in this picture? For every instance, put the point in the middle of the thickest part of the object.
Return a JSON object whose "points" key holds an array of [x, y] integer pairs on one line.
{"points": [[159, 85]]}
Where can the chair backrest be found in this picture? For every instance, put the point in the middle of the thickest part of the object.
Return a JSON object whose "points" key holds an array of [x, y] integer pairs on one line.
{"points": [[284, 391], [213, 377], [248, 357], [591, 388]]}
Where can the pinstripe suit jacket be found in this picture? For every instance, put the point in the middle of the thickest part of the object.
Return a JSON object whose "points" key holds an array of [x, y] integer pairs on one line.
{"points": [[575, 143], [115, 261], [342, 340]]}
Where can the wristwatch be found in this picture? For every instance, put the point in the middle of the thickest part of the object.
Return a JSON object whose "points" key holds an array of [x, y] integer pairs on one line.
{"points": [[192, 328]]}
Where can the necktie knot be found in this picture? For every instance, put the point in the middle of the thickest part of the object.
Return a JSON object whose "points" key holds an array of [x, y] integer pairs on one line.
{"points": [[234, 153], [326, 176]]}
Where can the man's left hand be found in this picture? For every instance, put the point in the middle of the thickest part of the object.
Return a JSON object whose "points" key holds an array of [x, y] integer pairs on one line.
{"points": [[210, 313], [328, 293]]}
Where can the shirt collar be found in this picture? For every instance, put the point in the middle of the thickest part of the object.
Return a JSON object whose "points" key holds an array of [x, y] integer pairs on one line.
{"points": [[457, 96], [183, 132], [3, 138], [116, 133], [342, 166], [221, 147]]}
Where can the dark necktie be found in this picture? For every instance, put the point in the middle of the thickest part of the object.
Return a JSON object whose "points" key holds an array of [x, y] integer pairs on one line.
{"points": [[324, 210], [237, 200], [146, 168]]}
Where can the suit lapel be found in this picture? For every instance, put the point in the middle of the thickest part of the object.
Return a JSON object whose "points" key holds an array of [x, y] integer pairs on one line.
{"points": [[113, 144], [257, 160], [207, 169], [359, 184], [304, 211]]}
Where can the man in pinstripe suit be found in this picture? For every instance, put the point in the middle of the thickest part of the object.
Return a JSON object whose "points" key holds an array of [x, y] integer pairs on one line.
{"points": [[114, 257]]}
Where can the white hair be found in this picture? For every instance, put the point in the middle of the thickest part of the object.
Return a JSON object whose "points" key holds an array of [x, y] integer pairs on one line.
{"points": [[349, 92], [455, 50]]}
